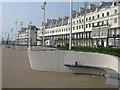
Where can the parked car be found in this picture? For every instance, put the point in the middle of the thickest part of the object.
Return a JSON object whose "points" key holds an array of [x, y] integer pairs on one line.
{"points": [[57, 46], [113, 46], [95, 46], [92, 46]]}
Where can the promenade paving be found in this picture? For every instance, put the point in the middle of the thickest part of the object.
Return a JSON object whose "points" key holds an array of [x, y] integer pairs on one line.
{"points": [[16, 73]]}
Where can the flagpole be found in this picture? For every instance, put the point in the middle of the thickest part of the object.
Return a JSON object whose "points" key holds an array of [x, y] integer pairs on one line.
{"points": [[43, 7], [21, 32], [11, 36], [16, 32]]}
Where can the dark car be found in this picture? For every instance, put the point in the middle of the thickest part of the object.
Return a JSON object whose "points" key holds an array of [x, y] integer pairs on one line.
{"points": [[113, 46]]}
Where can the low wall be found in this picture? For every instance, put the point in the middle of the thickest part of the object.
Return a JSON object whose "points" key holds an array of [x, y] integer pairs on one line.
{"points": [[21, 47], [55, 61], [6, 46], [41, 48], [12, 46]]}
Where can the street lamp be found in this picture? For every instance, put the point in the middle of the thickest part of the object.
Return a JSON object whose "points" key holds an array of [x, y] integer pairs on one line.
{"points": [[85, 5], [2, 38], [5, 37], [30, 40], [109, 25], [84, 27], [70, 38], [8, 39], [43, 8], [99, 32], [11, 36], [21, 24], [16, 33]]}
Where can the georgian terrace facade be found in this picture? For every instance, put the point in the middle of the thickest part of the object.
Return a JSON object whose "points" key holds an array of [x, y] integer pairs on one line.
{"points": [[102, 27], [22, 36]]}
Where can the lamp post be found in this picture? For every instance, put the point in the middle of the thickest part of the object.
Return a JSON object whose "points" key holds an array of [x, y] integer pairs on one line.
{"points": [[2, 38], [11, 36], [108, 35], [8, 39], [99, 33], [43, 8], [85, 4], [16, 33], [5, 37], [21, 32], [30, 35], [70, 38]]}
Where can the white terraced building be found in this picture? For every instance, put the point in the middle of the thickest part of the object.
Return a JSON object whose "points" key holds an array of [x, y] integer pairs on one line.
{"points": [[22, 36], [96, 25]]}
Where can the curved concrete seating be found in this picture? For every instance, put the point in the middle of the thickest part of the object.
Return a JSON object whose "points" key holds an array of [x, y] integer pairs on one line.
{"points": [[21, 47]]}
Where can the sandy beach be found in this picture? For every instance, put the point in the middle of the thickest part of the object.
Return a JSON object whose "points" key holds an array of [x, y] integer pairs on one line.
{"points": [[16, 73]]}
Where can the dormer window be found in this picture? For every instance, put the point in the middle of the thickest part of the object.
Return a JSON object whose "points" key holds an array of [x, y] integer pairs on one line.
{"points": [[114, 3]]}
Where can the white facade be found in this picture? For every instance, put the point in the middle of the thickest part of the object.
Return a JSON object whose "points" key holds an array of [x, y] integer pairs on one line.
{"points": [[22, 36], [102, 27]]}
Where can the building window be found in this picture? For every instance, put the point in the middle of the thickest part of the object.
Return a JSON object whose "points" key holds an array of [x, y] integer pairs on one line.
{"points": [[73, 28], [76, 27], [86, 19], [86, 25], [98, 23], [102, 14], [82, 20], [89, 18], [89, 25], [82, 26], [115, 20], [93, 17], [69, 29], [102, 22], [114, 3], [98, 16], [73, 22], [108, 14], [115, 11], [66, 29], [77, 21], [69, 23], [107, 21], [79, 27], [92, 24]]}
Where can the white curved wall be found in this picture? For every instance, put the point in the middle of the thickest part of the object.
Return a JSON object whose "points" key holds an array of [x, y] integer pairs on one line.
{"points": [[55, 61]]}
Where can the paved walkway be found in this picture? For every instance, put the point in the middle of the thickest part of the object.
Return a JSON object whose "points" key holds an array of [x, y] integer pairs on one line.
{"points": [[18, 74]]}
